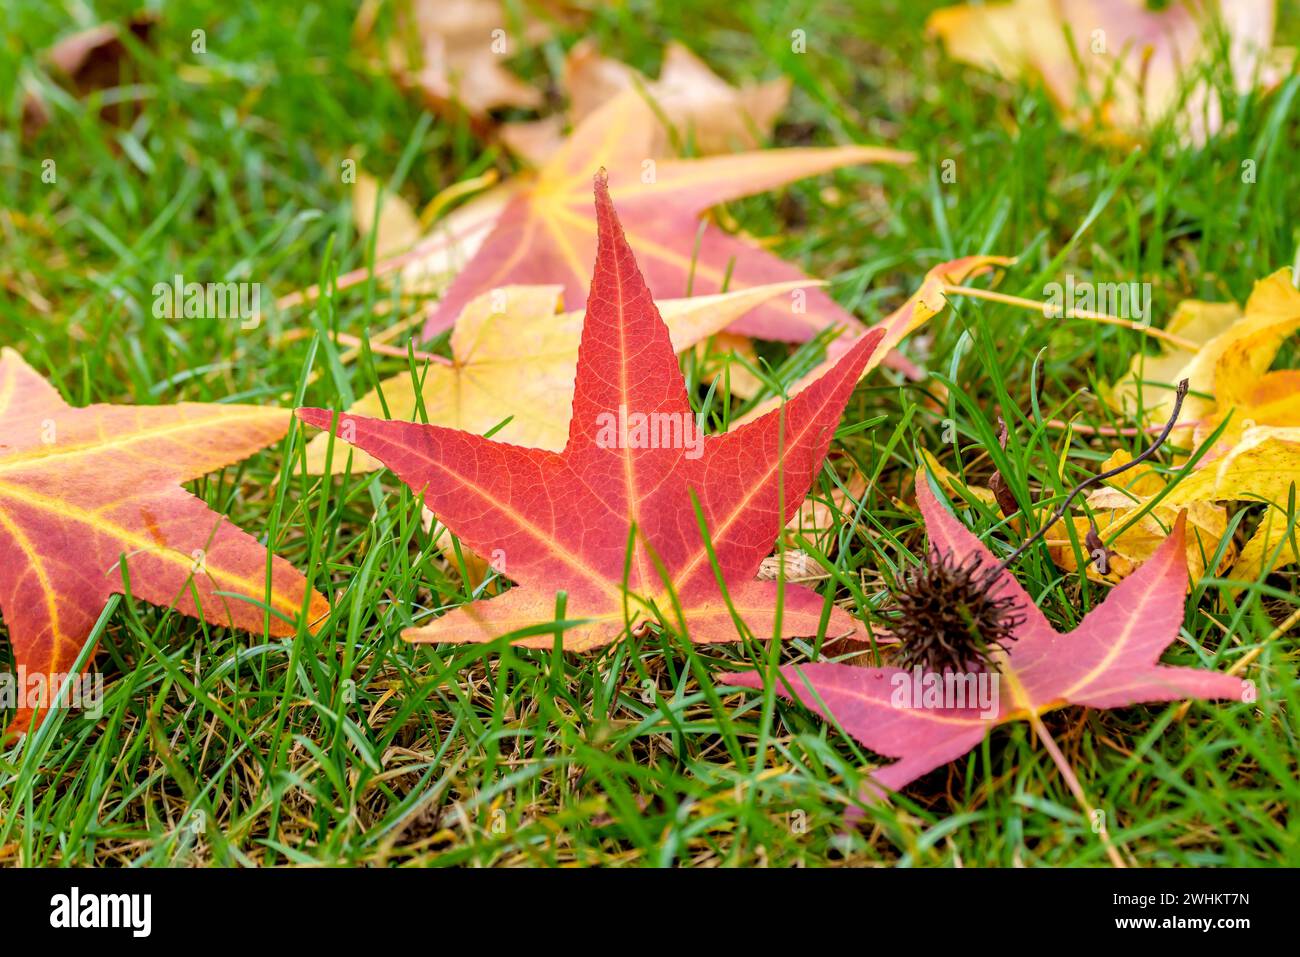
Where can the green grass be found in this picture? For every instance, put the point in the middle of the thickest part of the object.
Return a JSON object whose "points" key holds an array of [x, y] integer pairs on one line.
{"points": [[349, 746]]}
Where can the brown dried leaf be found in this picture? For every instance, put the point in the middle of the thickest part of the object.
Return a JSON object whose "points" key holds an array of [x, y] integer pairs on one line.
{"points": [[85, 62]]}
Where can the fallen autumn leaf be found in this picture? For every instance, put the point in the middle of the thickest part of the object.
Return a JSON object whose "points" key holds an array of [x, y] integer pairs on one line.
{"points": [[611, 519], [81, 489], [1109, 661]]}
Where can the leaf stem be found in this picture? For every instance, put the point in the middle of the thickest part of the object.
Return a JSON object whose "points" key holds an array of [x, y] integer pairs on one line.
{"points": [[1046, 310], [1072, 782]]}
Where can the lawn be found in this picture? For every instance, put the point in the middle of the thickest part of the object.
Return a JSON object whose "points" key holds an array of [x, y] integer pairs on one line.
{"points": [[350, 746]]}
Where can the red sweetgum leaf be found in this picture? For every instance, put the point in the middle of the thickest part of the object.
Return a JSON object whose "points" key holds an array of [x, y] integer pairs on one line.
{"points": [[545, 234], [555, 521]]}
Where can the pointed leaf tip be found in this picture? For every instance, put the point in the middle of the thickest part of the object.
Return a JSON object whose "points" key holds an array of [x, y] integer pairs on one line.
{"points": [[600, 186], [1172, 549], [1180, 526], [610, 237], [320, 418]]}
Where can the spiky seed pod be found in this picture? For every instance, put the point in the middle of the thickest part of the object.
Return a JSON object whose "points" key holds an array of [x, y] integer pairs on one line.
{"points": [[946, 619]]}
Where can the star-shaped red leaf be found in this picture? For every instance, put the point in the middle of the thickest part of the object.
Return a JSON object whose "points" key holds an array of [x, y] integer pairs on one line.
{"points": [[545, 235], [1109, 661], [562, 521]]}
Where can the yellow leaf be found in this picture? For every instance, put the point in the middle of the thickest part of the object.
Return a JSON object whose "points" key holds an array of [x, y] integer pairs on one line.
{"points": [[716, 354], [999, 37], [1272, 546], [476, 568], [1262, 467], [397, 227], [1236, 348], [514, 358], [1112, 506], [1139, 541], [954, 486]]}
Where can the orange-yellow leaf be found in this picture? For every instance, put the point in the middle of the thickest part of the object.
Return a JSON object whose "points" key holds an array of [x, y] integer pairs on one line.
{"points": [[82, 488], [1271, 399], [1236, 347]]}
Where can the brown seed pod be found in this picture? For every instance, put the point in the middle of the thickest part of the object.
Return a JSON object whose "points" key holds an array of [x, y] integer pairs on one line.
{"points": [[946, 619]]}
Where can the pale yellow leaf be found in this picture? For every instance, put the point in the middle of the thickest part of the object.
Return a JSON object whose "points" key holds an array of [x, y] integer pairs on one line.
{"points": [[514, 358], [1271, 547], [397, 227], [1262, 467]]}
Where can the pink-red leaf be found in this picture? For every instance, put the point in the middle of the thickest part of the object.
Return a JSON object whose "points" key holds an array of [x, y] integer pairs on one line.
{"points": [[545, 235], [1110, 660]]}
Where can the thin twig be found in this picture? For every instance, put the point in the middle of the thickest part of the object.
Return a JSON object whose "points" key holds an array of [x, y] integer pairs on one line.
{"points": [[1179, 394]]}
